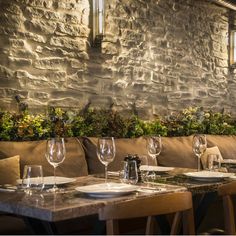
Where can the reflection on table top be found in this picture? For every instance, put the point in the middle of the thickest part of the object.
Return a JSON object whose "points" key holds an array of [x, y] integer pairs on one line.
{"points": [[70, 203], [177, 177]]}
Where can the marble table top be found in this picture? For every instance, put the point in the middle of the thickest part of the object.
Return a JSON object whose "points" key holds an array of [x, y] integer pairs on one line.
{"points": [[69, 204], [176, 177]]}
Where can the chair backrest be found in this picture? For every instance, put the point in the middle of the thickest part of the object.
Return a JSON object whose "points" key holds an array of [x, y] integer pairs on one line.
{"points": [[227, 191], [179, 203]]}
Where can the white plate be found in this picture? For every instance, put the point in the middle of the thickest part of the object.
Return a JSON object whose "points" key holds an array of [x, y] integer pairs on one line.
{"points": [[208, 175], [233, 177], [228, 161], [155, 168], [104, 191], [49, 180]]}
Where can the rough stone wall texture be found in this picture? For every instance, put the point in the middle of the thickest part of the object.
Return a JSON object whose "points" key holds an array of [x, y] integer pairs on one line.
{"points": [[159, 55]]}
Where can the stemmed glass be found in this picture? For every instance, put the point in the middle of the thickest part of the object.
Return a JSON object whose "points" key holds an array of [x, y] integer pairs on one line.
{"points": [[154, 146], [55, 154], [106, 151], [199, 147]]}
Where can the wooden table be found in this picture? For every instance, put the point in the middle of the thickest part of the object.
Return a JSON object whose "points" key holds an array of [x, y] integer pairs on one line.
{"points": [[55, 207], [176, 177], [204, 193], [40, 211]]}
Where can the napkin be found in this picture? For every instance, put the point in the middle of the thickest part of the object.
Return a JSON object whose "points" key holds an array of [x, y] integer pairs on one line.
{"points": [[211, 150]]}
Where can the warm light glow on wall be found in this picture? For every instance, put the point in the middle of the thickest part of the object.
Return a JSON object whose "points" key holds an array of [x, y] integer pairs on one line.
{"points": [[233, 47], [98, 21]]}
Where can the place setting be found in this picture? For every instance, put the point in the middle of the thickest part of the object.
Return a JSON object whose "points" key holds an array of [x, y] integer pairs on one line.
{"points": [[106, 151], [33, 180], [208, 176], [211, 163], [128, 179]]}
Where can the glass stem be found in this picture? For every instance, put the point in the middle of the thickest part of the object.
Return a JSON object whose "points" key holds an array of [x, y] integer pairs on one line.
{"points": [[106, 174], [199, 163], [54, 186]]}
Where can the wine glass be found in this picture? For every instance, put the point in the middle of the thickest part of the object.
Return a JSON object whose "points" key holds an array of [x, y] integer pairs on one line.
{"points": [[199, 147], [154, 146], [55, 154], [106, 151]]}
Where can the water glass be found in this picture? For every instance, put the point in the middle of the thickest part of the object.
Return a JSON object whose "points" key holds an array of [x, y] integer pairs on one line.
{"points": [[213, 162], [129, 175], [146, 174], [32, 180]]}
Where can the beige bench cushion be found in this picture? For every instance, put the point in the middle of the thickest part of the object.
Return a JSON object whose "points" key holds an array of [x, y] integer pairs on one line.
{"points": [[225, 143], [177, 152], [33, 152], [9, 170], [123, 147]]}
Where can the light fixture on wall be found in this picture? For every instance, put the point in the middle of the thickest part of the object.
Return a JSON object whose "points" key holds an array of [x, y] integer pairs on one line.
{"points": [[232, 39], [98, 22], [232, 47]]}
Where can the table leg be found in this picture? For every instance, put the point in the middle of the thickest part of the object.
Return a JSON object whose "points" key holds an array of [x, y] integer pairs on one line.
{"points": [[203, 207], [40, 227], [163, 224], [201, 203]]}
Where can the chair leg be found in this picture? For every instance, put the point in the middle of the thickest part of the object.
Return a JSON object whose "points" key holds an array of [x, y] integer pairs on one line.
{"points": [[175, 228], [229, 215], [112, 227], [188, 222], [150, 225]]}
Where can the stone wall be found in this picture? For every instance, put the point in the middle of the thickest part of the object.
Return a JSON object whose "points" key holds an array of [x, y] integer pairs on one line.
{"points": [[158, 55]]}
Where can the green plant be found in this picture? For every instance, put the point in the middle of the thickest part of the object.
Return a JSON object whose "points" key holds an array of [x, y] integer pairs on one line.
{"points": [[6, 126], [154, 127], [32, 127], [102, 123], [219, 123], [94, 122], [78, 126], [197, 120], [135, 127], [60, 122]]}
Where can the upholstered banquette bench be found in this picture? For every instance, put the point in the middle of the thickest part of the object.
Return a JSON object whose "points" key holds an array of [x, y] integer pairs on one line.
{"points": [[81, 159]]}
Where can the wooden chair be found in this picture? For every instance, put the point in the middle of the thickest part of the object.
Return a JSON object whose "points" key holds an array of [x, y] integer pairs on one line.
{"points": [[179, 203], [227, 191]]}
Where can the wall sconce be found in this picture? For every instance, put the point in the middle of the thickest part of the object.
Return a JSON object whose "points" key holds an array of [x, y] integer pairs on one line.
{"points": [[232, 39], [98, 22], [232, 47]]}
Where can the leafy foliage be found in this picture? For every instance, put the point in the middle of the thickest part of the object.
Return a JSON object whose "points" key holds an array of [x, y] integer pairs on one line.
{"points": [[6, 126], [92, 122], [196, 120]]}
